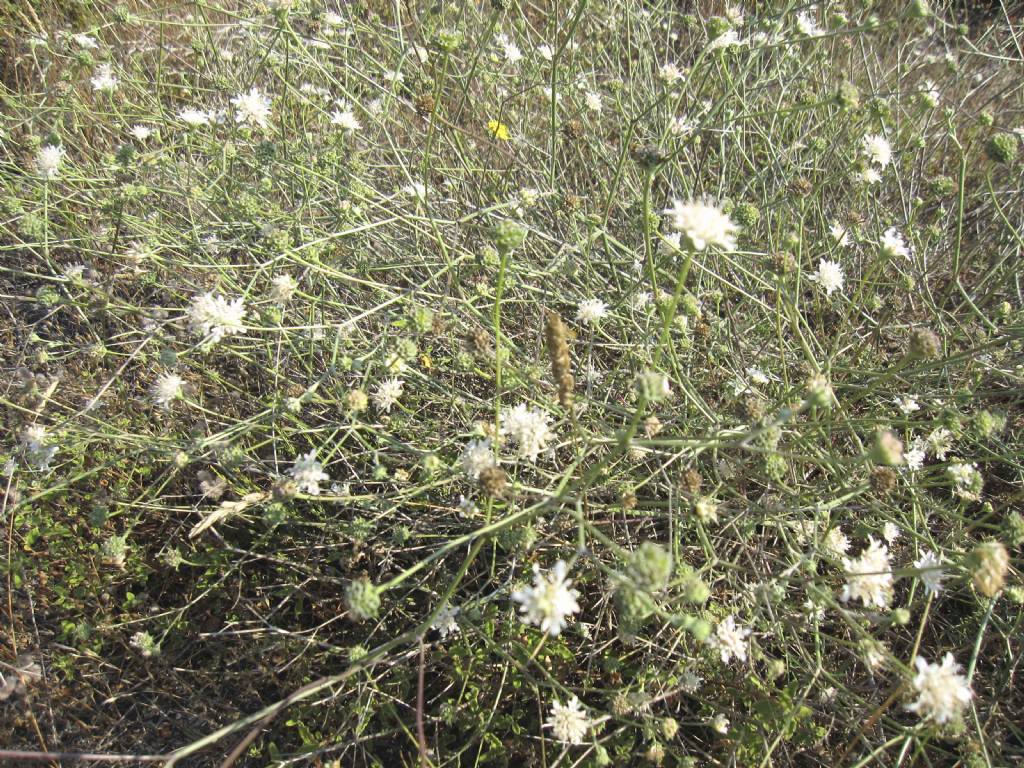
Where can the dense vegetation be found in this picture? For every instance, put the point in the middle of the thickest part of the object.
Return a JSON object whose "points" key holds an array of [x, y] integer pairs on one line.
{"points": [[565, 383]]}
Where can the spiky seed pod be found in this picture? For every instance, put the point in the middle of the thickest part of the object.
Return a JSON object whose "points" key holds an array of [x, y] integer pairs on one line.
{"points": [[479, 342], [425, 105], [648, 156], [574, 130], [691, 481], [924, 344], [883, 481], [989, 563], [556, 334], [493, 481]]}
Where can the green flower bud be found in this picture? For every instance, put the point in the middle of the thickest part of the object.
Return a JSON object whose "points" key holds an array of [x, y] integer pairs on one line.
{"points": [[362, 599], [1002, 148], [508, 235]]}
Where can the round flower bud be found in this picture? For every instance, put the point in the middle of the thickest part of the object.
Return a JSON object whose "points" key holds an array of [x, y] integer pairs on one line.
{"points": [[746, 214], [819, 392], [887, 450], [508, 235], [883, 481], [989, 563], [356, 401], [669, 727], [1002, 148], [924, 344], [362, 599], [651, 566], [655, 754], [653, 386]]}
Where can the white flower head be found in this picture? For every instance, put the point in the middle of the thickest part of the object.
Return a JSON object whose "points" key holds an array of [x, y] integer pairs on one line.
{"points": [[932, 572], [309, 473], [445, 622], [141, 132], [509, 50], [728, 39], [282, 288], [940, 442], [670, 73], [893, 244], [546, 51], [87, 42], [870, 175], [477, 456], [593, 101], [704, 225], [869, 577], [829, 276], [891, 532], [215, 317], [528, 427], [840, 234], [194, 117], [252, 108], [415, 190], [720, 724], [49, 159], [942, 693], [387, 393], [915, 457], [877, 150], [681, 125], [730, 640], [836, 543], [345, 118], [550, 602], [591, 311], [167, 389], [103, 79], [806, 24], [907, 404], [568, 722]]}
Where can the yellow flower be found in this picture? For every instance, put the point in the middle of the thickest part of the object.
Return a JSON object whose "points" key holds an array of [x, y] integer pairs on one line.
{"points": [[498, 130]]}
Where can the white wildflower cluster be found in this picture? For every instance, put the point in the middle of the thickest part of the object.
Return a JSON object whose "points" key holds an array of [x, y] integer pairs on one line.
{"points": [[892, 244], [103, 79], [214, 317], [568, 722], [704, 225], [869, 576], [967, 480], [528, 428], [345, 118], [730, 640], [477, 456], [252, 108], [309, 473], [39, 449], [591, 311], [829, 276], [550, 602], [387, 393], [49, 159], [942, 692], [166, 389], [931, 573]]}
